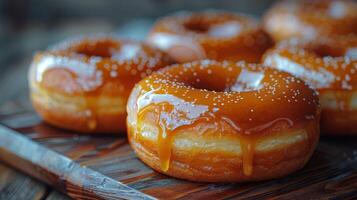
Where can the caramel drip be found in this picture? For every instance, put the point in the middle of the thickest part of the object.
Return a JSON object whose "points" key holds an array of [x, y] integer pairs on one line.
{"points": [[164, 147], [248, 142], [164, 138], [164, 135], [91, 113], [248, 150], [248, 102]]}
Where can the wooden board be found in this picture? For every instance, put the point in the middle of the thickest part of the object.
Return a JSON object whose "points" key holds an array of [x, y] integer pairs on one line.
{"points": [[105, 167], [15, 185]]}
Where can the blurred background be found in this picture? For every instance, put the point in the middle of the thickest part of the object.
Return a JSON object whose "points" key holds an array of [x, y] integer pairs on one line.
{"points": [[27, 26]]}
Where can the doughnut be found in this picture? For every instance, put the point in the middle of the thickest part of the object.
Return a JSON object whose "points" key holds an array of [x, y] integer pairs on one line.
{"points": [[210, 35], [329, 65], [223, 121], [83, 84], [310, 19]]}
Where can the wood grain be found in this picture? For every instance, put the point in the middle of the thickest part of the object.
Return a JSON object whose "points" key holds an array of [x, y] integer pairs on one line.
{"points": [[53, 168], [54, 195], [106, 167], [14, 186]]}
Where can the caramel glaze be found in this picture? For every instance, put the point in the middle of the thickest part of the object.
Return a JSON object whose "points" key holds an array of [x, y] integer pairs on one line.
{"points": [[93, 67], [248, 98], [311, 19], [327, 64], [213, 35]]}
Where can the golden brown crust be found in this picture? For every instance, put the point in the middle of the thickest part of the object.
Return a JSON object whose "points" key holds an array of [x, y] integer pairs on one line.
{"points": [[218, 122], [339, 112], [288, 151], [329, 65], [266, 166], [83, 85], [110, 123], [311, 19], [210, 35], [76, 118]]}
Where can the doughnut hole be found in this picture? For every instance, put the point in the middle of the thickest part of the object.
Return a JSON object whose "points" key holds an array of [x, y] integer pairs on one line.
{"points": [[210, 35], [99, 48], [206, 80], [326, 50], [217, 80], [196, 26]]}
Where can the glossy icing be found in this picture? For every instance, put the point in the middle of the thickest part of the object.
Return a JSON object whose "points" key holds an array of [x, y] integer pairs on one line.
{"points": [[214, 35], [310, 19], [247, 98], [95, 66], [327, 65], [324, 63]]}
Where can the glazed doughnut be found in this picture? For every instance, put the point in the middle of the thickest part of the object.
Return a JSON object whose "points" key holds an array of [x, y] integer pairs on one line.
{"points": [[212, 121], [83, 84], [329, 65], [310, 19], [213, 35]]}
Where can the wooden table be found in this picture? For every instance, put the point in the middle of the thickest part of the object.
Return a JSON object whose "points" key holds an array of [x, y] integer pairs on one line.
{"points": [[331, 173], [15, 185], [16, 52]]}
